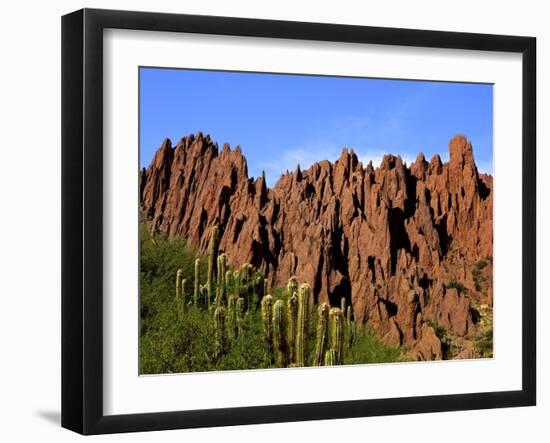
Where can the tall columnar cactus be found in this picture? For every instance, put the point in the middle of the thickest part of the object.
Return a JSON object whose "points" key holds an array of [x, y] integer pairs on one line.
{"points": [[216, 292], [322, 335], [302, 325], [279, 333], [197, 283], [267, 320], [231, 316], [242, 281], [237, 282], [182, 303], [212, 257], [228, 281], [292, 286], [343, 305], [179, 277], [337, 334], [220, 287], [239, 315], [292, 312], [266, 287], [330, 357], [219, 331], [350, 326], [178, 300], [245, 273], [343, 308]]}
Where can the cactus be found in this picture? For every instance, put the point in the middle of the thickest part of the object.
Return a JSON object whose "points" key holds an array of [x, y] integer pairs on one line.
{"points": [[237, 282], [245, 271], [343, 305], [243, 277], [292, 286], [322, 335], [350, 327], [219, 332], [266, 287], [197, 283], [220, 287], [178, 298], [179, 277], [231, 316], [182, 301], [292, 311], [337, 334], [302, 324], [227, 282], [211, 259], [330, 357], [279, 332], [267, 321], [239, 316], [343, 308]]}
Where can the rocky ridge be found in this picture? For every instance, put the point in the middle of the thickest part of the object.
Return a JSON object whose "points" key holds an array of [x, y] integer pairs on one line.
{"points": [[401, 243]]}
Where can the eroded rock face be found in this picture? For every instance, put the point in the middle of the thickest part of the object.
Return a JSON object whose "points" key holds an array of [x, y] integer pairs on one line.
{"points": [[400, 243]]}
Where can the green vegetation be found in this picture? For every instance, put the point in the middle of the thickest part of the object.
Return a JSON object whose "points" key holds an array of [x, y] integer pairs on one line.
{"points": [[479, 280], [443, 336], [322, 334], [227, 321], [453, 283], [479, 265], [484, 343]]}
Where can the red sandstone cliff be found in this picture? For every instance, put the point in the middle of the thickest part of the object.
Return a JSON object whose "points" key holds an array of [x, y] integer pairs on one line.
{"points": [[400, 243]]}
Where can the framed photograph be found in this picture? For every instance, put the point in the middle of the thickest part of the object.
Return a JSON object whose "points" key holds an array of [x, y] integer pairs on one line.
{"points": [[268, 221]]}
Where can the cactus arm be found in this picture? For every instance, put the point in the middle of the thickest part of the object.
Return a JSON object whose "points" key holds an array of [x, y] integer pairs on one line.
{"points": [[239, 314], [330, 357], [197, 283], [279, 331], [211, 263], [302, 324], [267, 322], [322, 335], [292, 311], [336, 319]]}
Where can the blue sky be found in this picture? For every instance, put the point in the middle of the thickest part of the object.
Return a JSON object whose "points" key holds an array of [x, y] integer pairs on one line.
{"points": [[284, 120]]}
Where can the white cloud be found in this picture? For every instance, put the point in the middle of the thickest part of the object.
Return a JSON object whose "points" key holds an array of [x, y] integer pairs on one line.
{"points": [[290, 158]]}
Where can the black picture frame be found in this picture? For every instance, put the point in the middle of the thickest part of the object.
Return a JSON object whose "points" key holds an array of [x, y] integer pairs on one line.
{"points": [[82, 218]]}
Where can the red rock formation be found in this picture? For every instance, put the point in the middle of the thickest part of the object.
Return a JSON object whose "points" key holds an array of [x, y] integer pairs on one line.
{"points": [[398, 242]]}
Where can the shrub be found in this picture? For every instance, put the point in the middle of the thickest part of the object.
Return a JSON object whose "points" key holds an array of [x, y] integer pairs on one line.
{"points": [[479, 265], [453, 283], [484, 344], [441, 333]]}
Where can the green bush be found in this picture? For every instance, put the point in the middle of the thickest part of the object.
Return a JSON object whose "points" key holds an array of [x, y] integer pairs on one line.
{"points": [[479, 265], [460, 288], [484, 344], [479, 280], [443, 336]]}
